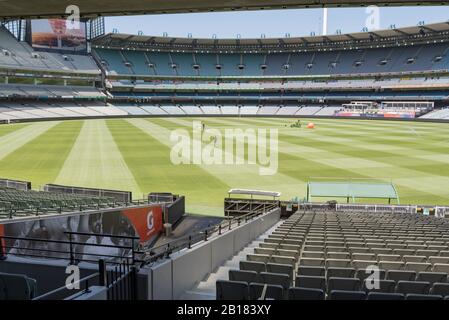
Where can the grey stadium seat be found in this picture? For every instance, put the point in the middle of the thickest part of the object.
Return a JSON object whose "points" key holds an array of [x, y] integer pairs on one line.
{"points": [[413, 296], [279, 268], [305, 294], [432, 277], [232, 290], [398, 275], [441, 267], [418, 266], [362, 274], [245, 276], [385, 286], [311, 282], [340, 272], [17, 286], [346, 284], [272, 291], [312, 262], [252, 266], [338, 263], [347, 295], [440, 289], [311, 271], [275, 279], [417, 287], [385, 296]]}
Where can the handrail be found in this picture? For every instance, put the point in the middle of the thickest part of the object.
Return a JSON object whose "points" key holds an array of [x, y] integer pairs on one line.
{"points": [[71, 254], [188, 240], [84, 280]]}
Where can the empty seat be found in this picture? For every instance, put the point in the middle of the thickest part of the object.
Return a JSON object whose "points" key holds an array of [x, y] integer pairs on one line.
{"points": [[440, 267], [362, 264], [427, 253], [340, 272], [347, 295], [311, 271], [391, 265], [271, 292], [407, 258], [418, 266], [385, 296], [295, 293], [338, 255], [364, 256], [442, 260], [280, 268], [243, 276], [267, 251], [401, 275], [444, 253], [312, 254], [432, 277], [17, 287], [232, 290], [403, 252], [382, 251], [440, 289], [417, 287], [346, 284], [340, 263], [385, 286], [269, 245], [283, 260], [275, 279], [362, 274], [258, 257], [252, 266], [311, 282], [312, 262], [413, 296], [287, 253], [389, 257]]}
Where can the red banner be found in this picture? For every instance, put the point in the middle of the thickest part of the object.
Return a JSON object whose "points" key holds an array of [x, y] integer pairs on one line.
{"points": [[146, 221]]}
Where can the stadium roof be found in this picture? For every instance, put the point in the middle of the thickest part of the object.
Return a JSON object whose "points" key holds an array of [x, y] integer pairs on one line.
{"points": [[56, 8], [417, 33]]}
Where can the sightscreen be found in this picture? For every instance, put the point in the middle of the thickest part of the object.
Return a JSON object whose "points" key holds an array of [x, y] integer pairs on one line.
{"points": [[58, 34]]}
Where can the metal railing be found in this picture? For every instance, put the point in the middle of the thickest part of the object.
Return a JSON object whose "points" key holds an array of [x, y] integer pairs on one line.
{"points": [[186, 242], [120, 281], [64, 293], [72, 249]]}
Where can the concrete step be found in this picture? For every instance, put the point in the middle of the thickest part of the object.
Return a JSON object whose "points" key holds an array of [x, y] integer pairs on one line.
{"points": [[206, 289]]}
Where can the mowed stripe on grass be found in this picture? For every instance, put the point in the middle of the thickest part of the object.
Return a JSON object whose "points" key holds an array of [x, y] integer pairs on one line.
{"points": [[134, 154], [247, 176], [95, 161], [18, 138], [149, 160], [424, 181], [40, 159]]}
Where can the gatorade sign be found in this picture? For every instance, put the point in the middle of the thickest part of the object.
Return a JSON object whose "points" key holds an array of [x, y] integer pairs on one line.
{"points": [[146, 221]]}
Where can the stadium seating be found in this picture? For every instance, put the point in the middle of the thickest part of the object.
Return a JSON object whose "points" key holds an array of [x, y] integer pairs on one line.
{"points": [[16, 287], [17, 203], [326, 249], [20, 55], [307, 63]]}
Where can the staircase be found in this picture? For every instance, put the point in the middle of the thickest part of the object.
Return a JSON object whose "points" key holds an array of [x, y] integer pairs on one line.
{"points": [[205, 290]]}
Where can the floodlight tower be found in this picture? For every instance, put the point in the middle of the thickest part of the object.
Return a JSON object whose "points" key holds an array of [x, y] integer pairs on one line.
{"points": [[324, 21]]}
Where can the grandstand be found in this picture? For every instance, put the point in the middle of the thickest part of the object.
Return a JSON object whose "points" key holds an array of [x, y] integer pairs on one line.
{"points": [[107, 208], [317, 255]]}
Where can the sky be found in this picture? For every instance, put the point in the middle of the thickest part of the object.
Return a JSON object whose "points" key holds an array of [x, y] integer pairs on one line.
{"points": [[273, 23]]}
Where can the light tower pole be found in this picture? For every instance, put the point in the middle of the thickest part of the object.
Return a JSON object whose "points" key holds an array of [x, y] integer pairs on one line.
{"points": [[324, 21]]}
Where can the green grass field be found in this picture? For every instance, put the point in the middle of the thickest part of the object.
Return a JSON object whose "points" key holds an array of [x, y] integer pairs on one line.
{"points": [[134, 154]]}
